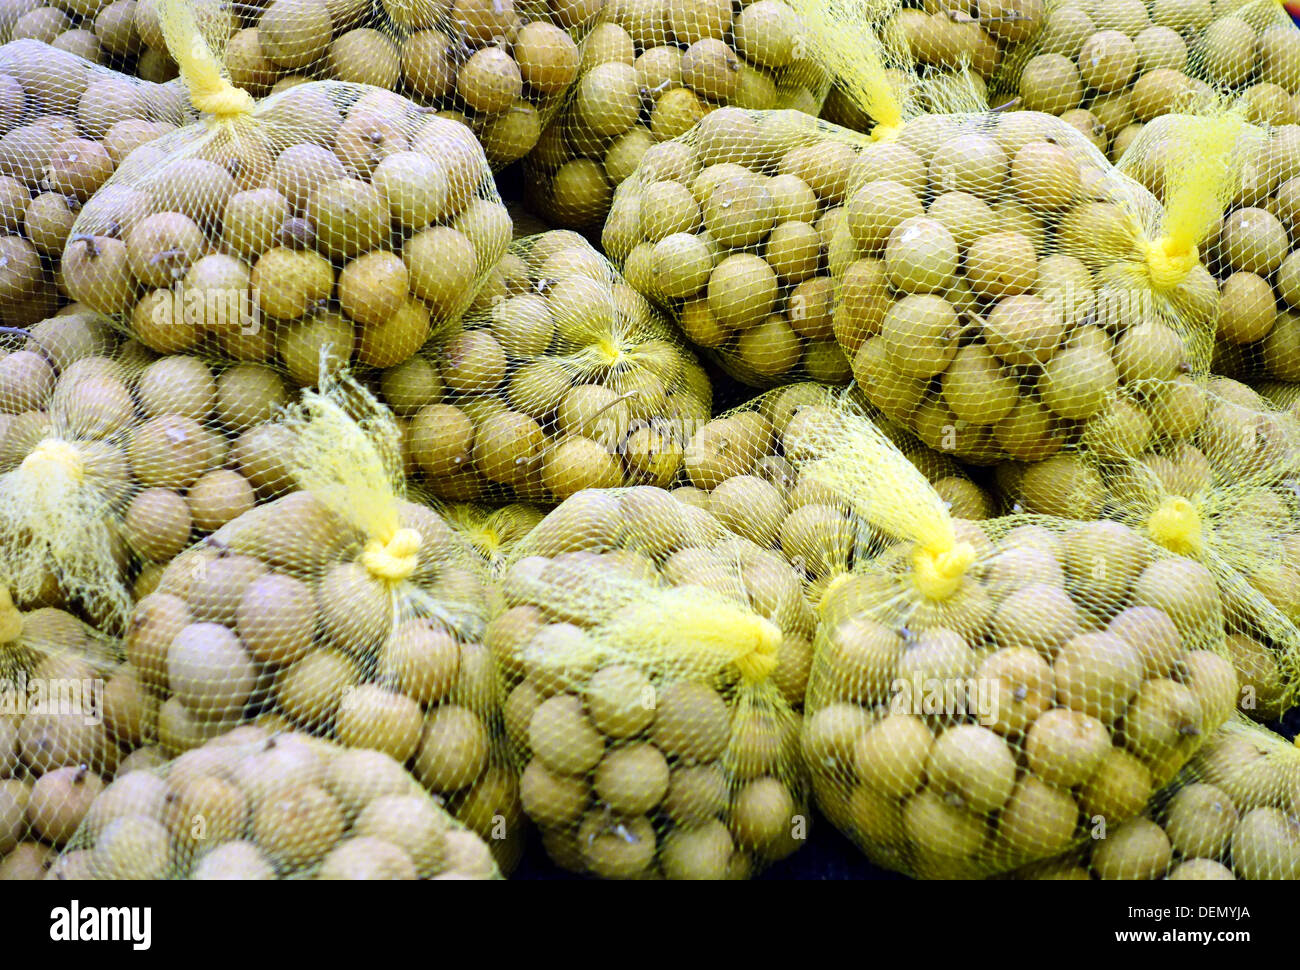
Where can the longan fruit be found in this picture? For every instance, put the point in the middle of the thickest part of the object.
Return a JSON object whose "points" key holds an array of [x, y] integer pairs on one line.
{"points": [[442, 266], [1039, 819], [711, 69], [919, 334], [1050, 83], [59, 801]]}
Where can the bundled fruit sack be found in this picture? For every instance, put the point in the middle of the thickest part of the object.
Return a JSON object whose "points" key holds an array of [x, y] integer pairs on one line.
{"points": [[66, 124], [1115, 66], [1228, 815], [745, 468], [341, 608], [566, 380], [651, 663], [111, 458], [71, 712], [989, 334], [1204, 467], [500, 67], [330, 215], [732, 226], [260, 804], [983, 694], [650, 70], [1251, 50]]}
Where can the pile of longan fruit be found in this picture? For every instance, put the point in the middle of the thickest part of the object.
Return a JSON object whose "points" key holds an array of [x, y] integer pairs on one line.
{"points": [[378, 433], [650, 70], [1228, 816]]}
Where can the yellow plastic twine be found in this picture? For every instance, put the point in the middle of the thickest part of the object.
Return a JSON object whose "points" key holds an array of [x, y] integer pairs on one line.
{"points": [[350, 465], [1203, 171], [1176, 525], [394, 558], [696, 628], [53, 456], [210, 91], [840, 40], [857, 461]]}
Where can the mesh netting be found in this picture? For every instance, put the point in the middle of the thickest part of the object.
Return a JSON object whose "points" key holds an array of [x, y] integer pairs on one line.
{"points": [[562, 377], [1110, 67], [731, 229], [1230, 814], [1207, 469], [651, 69], [982, 694], [102, 33], [66, 124], [745, 468], [112, 458], [948, 34], [71, 714], [501, 67], [331, 215], [261, 804], [343, 608], [647, 656]]}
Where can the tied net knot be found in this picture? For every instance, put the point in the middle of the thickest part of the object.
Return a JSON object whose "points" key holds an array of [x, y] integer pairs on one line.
{"points": [[395, 559], [758, 657], [1176, 525], [938, 573], [55, 457], [1169, 262], [222, 100], [11, 621]]}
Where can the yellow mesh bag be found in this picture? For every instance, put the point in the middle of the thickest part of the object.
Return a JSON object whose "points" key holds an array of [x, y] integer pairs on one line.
{"points": [[998, 278], [730, 229], [342, 608], [641, 650], [731, 226], [650, 70], [260, 804], [561, 378], [71, 713], [501, 67], [1206, 468], [982, 694], [1228, 815], [1112, 67], [65, 125], [111, 458], [329, 215]]}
